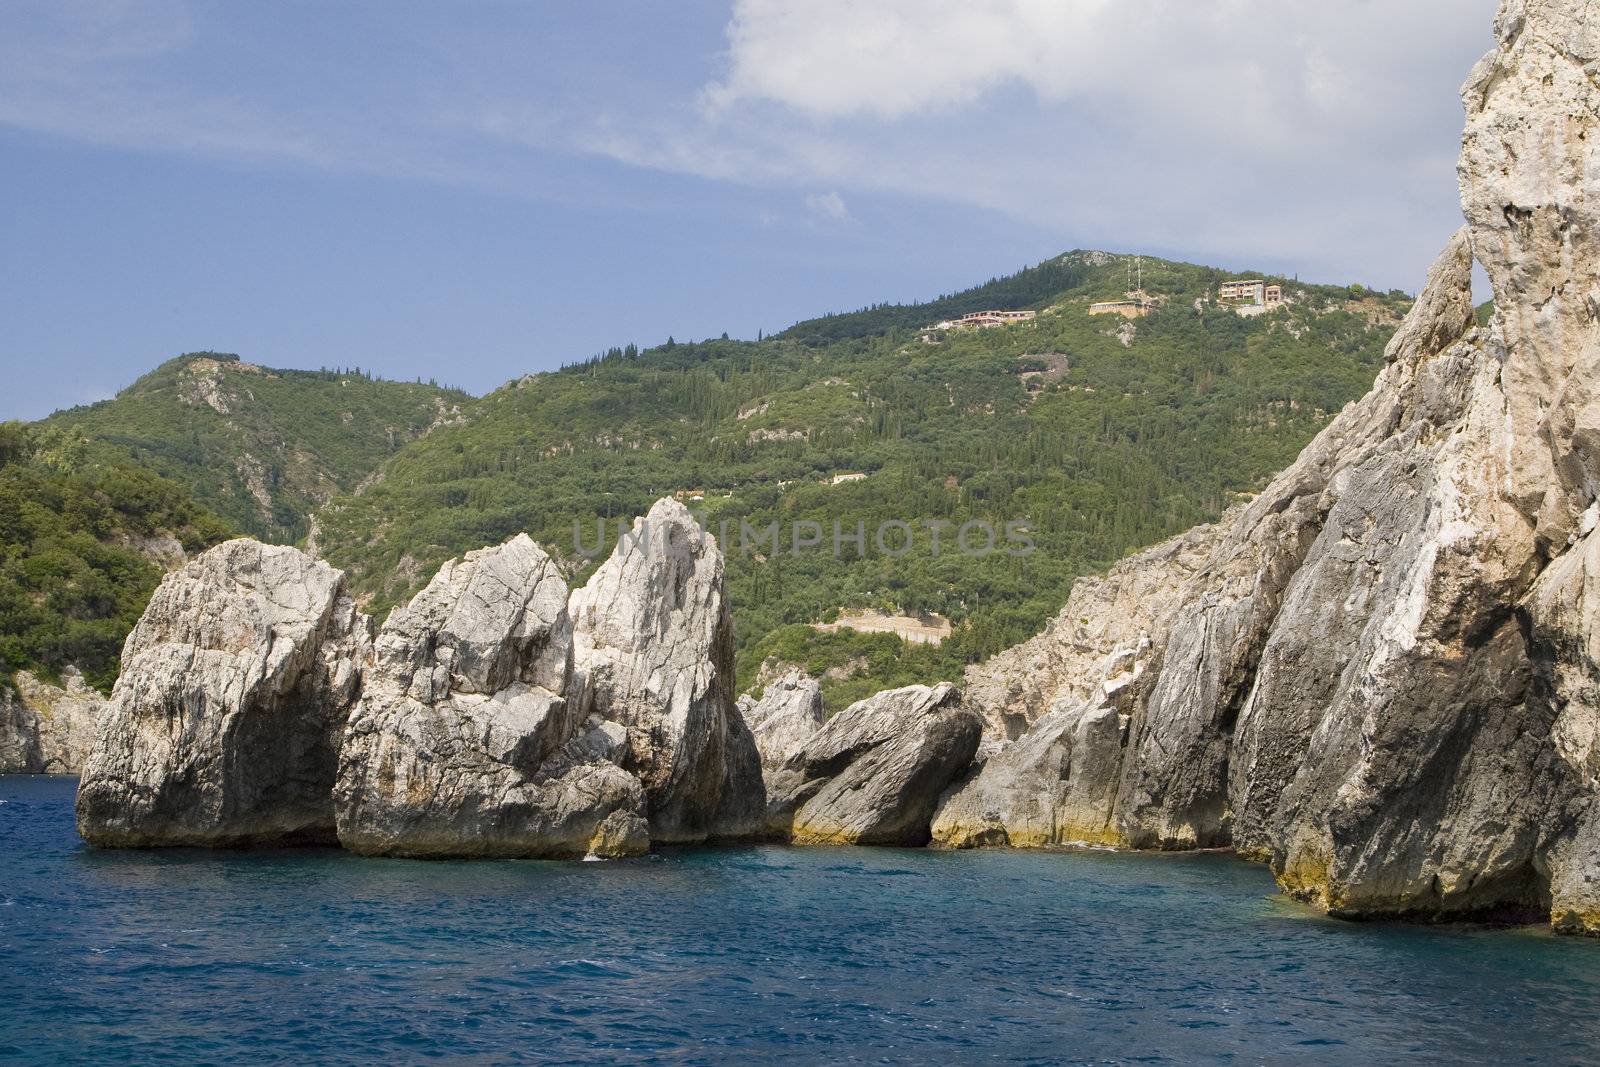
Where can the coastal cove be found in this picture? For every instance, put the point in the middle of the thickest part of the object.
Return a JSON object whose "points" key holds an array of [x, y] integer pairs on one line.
{"points": [[749, 954]]}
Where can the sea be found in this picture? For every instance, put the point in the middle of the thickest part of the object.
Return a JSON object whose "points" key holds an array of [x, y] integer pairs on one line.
{"points": [[745, 955]]}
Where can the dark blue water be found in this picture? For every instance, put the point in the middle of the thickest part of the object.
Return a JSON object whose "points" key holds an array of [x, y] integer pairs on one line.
{"points": [[737, 956]]}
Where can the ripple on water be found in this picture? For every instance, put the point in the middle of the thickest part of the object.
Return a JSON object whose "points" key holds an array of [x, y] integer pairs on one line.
{"points": [[737, 955]]}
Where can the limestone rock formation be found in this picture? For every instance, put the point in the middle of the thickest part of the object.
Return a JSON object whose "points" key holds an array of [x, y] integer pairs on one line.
{"points": [[225, 725], [49, 729], [788, 713], [463, 743], [1100, 638], [1054, 786], [67, 717], [19, 736], [1379, 678], [653, 648], [874, 773]]}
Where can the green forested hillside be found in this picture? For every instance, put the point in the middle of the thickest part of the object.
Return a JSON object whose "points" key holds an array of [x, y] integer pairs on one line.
{"points": [[82, 546], [1084, 436], [258, 446], [1098, 435]]}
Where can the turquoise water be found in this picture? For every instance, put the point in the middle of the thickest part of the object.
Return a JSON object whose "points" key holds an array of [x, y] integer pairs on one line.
{"points": [[737, 956]]}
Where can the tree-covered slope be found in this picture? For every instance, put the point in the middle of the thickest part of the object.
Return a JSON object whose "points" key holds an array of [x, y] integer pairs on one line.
{"points": [[82, 546], [261, 447], [1097, 435]]}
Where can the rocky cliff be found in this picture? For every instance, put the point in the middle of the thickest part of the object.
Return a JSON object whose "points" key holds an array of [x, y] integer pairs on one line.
{"points": [[1378, 676]]}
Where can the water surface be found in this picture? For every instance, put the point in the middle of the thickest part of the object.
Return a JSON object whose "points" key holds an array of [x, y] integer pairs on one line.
{"points": [[746, 955]]}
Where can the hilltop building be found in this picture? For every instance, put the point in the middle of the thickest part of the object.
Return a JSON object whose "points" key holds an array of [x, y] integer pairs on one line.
{"points": [[1252, 295], [984, 319]]}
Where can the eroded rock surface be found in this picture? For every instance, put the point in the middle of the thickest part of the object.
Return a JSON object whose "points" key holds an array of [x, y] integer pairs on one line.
{"points": [[49, 729], [67, 717], [225, 724], [874, 774], [653, 648], [19, 736], [463, 743], [788, 713], [1102, 635], [1055, 786], [1379, 676]]}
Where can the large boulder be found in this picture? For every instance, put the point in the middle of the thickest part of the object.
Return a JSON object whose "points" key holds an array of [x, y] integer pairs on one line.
{"points": [[653, 651], [873, 775], [1055, 786], [225, 724], [788, 713], [463, 743]]}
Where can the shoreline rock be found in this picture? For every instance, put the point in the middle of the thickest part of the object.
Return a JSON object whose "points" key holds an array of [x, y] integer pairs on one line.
{"points": [[1378, 677], [49, 729], [653, 651], [224, 727], [461, 744], [874, 774]]}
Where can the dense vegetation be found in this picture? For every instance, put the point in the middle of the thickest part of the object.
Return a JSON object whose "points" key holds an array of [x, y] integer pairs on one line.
{"points": [[1084, 437], [1099, 436], [80, 545], [259, 447]]}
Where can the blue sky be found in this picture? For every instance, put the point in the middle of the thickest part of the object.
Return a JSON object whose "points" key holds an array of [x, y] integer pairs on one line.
{"points": [[473, 191]]}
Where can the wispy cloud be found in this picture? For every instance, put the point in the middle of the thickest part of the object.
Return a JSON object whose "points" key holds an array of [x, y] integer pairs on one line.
{"points": [[1298, 131], [829, 205]]}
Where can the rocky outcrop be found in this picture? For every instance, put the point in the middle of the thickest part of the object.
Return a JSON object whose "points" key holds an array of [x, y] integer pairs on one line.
{"points": [[874, 773], [463, 743], [1379, 678], [255, 708], [224, 727], [653, 648], [48, 729], [788, 713], [1055, 786]]}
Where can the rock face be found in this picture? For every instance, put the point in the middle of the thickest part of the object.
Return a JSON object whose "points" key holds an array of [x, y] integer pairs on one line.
{"points": [[19, 736], [255, 708], [225, 725], [654, 653], [49, 729], [1098, 639], [788, 713], [1055, 786], [68, 718], [463, 743], [1379, 677], [874, 773]]}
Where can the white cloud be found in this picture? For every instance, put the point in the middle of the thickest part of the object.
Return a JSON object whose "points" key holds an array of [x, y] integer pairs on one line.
{"points": [[1304, 132], [829, 205], [1282, 73]]}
